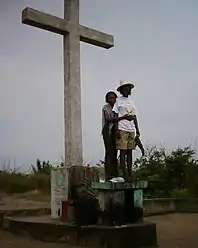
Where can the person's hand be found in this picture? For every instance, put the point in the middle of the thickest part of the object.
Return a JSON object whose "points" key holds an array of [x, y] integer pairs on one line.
{"points": [[128, 117], [138, 133]]}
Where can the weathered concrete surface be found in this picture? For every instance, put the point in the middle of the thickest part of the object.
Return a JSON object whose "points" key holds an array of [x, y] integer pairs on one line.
{"points": [[63, 179], [174, 230], [20, 206], [170, 205], [58, 25], [46, 229], [22, 212], [73, 32]]}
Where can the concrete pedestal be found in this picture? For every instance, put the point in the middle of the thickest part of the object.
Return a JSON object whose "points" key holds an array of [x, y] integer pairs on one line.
{"points": [[59, 190], [62, 181], [120, 203]]}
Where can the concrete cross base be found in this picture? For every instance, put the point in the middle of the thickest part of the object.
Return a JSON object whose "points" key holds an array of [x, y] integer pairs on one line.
{"points": [[141, 234], [63, 180]]}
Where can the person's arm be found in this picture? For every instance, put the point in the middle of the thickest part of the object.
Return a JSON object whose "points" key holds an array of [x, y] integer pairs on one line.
{"points": [[117, 133], [134, 112], [103, 118], [140, 145], [136, 125], [107, 117], [116, 118], [115, 111]]}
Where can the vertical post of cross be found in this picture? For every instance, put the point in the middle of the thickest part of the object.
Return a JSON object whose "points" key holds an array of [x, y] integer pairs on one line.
{"points": [[72, 87], [72, 33]]}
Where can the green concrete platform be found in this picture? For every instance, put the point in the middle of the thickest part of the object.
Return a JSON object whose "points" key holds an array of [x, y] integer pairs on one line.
{"points": [[46, 229], [119, 185]]}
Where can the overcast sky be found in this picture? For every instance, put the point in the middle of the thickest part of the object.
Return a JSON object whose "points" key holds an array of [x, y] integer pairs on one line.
{"points": [[156, 46]]}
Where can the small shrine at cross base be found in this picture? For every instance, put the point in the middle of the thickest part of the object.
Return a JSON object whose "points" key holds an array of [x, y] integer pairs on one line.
{"points": [[112, 203]]}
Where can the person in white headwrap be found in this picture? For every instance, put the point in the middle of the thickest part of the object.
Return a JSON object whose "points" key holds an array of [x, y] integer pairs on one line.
{"points": [[108, 132]]}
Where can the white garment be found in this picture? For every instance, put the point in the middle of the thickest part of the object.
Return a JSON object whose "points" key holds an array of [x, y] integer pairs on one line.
{"points": [[123, 106]]}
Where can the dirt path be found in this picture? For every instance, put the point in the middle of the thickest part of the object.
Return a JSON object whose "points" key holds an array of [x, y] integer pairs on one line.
{"points": [[8, 240], [175, 230], [28, 200]]}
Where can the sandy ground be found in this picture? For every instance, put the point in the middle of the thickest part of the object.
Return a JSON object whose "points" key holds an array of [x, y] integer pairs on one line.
{"points": [[174, 230], [28, 200], [177, 230]]}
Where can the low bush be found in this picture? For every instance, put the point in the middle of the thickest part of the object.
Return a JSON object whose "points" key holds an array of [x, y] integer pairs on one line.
{"points": [[173, 174]]}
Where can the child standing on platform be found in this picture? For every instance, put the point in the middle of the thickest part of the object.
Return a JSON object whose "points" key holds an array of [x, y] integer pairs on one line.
{"points": [[127, 130]]}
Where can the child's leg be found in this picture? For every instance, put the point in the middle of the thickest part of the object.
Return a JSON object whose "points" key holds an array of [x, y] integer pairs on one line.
{"points": [[130, 147], [113, 156], [107, 164], [122, 162], [121, 144], [129, 162]]}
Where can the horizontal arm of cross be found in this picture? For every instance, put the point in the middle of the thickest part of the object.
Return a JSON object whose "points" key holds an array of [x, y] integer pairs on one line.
{"points": [[95, 37], [58, 25]]}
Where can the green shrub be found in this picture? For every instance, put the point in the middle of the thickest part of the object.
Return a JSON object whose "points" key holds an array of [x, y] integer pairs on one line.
{"points": [[20, 183], [173, 174], [168, 174], [14, 182], [180, 193]]}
